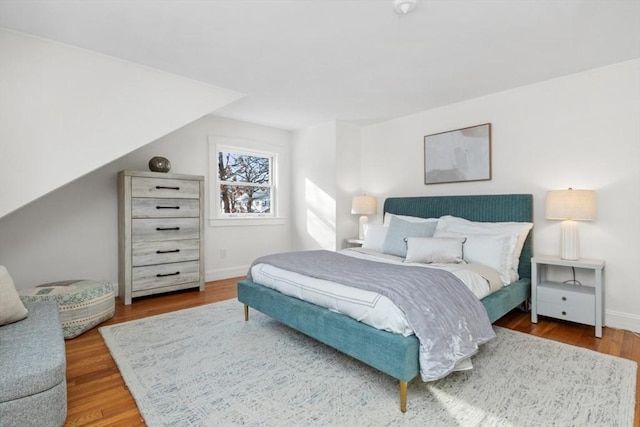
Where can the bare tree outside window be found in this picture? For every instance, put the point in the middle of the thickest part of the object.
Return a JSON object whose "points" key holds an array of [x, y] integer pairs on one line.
{"points": [[245, 181]]}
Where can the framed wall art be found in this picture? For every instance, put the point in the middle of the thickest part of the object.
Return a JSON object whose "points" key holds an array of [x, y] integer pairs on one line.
{"points": [[459, 155]]}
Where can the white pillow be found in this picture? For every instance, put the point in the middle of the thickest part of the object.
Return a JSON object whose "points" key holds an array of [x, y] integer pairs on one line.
{"points": [[465, 227], [427, 250], [492, 250], [414, 219], [11, 307], [374, 235]]}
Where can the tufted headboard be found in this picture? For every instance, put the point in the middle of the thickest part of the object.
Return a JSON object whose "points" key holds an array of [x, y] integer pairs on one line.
{"points": [[485, 208]]}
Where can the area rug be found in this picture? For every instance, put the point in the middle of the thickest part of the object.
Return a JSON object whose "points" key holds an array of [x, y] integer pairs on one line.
{"points": [[206, 366]]}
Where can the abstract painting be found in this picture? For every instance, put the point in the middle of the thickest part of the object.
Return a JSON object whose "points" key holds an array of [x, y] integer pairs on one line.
{"points": [[459, 155]]}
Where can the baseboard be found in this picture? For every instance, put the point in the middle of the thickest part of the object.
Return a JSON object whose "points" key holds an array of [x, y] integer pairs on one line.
{"points": [[225, 273], [619, 320]]}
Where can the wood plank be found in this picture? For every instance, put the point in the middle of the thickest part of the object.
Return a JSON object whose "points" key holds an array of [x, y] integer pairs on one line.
{"points": [[98, 396]]}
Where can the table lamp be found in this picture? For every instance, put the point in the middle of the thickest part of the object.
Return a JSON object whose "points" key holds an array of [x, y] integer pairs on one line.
{"points": [[363, 205], [570, 206]]}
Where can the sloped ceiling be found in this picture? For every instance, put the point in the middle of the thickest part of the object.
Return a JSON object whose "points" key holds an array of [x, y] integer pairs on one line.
{"points": [[306, 62], [66, 111]]}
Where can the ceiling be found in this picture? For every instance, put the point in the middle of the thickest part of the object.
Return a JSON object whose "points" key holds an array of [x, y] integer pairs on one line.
{"points": [[303, 62]]}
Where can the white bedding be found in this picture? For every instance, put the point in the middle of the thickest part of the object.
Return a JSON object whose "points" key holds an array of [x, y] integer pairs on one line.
{"points": [[367, 307]]}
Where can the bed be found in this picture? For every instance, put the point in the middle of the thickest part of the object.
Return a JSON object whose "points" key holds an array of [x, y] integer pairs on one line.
{"points": [[395, 354]]}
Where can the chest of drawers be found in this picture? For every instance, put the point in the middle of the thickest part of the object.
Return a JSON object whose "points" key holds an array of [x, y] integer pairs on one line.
{"points": [[161, 227]]}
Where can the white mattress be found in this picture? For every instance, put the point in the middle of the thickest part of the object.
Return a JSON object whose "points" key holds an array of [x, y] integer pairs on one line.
{"points": [[367, 307]]}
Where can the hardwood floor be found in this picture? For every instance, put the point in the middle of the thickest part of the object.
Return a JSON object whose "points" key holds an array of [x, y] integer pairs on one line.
{"points": [[98, 396]]}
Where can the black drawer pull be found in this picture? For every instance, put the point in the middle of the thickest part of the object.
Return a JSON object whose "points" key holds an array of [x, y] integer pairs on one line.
{"points": [[167, 207], [168, 252], [160, 187], [167, 228], [564, 313], [564, 298], [168, 274]]}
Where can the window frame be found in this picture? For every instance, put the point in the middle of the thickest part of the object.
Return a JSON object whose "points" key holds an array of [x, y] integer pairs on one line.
{"points": [[217, 218]]}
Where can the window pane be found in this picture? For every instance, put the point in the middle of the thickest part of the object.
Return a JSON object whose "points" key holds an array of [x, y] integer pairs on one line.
{"points": [[241, 199], [235, 167]]}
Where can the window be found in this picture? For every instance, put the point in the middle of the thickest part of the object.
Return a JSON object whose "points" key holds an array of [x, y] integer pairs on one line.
{"points": [[244, 185]]}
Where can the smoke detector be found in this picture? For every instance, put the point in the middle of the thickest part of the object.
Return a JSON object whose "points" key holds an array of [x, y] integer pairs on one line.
{"points": [[404, 6]]}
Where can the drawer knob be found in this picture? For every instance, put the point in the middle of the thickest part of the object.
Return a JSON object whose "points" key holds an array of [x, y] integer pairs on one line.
{"points": [[160, 187], [564, 313], [564, 298], [168, 252], [167, 228], [168, 274], [167, 207]]}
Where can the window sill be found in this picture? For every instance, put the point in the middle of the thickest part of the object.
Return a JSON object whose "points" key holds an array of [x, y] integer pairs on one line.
{"points": [[244, 222]]}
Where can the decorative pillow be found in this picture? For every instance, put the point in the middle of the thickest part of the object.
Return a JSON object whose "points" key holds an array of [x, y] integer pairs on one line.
{"points": [[465, 227], [11, 307], [374, 235], [388, 216], [399, 230], [492, 250], [427, 250]]}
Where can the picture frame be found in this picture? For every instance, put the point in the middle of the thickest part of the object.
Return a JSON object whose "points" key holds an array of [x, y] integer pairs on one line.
{"points": [[460, 155]]}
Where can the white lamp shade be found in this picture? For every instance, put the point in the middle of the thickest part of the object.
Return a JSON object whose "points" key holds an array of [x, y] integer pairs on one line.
{"points": [[571, 204], [364, 205]]}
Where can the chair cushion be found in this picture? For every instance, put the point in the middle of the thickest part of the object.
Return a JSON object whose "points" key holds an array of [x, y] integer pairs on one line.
{"points": [[32, 353], [83, 304]]}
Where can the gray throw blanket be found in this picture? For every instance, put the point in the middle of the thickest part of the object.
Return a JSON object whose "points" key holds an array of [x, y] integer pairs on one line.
{"points": [[449, 321]]}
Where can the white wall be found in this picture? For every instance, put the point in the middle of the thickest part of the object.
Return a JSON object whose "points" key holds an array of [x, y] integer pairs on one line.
{"points": [[348, 179], [72, 231], [314, 187], [326, 174], [65, 111], [581, 131]]}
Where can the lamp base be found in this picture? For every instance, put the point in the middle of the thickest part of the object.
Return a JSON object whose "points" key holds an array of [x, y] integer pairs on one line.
{"points": [[362, 221], [569, 241]]}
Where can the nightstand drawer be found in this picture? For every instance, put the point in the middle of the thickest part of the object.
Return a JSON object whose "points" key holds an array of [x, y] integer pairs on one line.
{"points": [[573, 313], [567, 294], [567, 301]]}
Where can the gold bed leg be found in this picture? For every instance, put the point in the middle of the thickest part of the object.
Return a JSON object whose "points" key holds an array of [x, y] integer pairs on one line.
{"points": [[403, 396], [246, 312]]}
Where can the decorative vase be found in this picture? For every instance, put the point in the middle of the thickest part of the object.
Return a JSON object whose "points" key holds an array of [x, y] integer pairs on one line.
{"points": [[159, 164]]}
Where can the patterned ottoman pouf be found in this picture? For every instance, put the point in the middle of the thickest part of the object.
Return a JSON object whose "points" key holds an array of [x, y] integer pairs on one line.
{"points": [[83, 303]]}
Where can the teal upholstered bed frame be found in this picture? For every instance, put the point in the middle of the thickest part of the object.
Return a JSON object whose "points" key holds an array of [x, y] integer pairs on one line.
{"points": [[390, 353]]}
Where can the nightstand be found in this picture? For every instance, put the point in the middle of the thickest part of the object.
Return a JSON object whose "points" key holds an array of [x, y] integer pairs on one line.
{"points": [[355, 242], [567, 300]]}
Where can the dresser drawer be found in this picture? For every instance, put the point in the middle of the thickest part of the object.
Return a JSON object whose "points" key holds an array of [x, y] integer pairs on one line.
{"points": [[165, 208], [158, 276], [150, 253], [147, 230], [165, 188]]}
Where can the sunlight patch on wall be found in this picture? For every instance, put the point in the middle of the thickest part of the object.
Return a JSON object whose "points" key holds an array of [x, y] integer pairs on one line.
{"points": [[321, 216]]}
